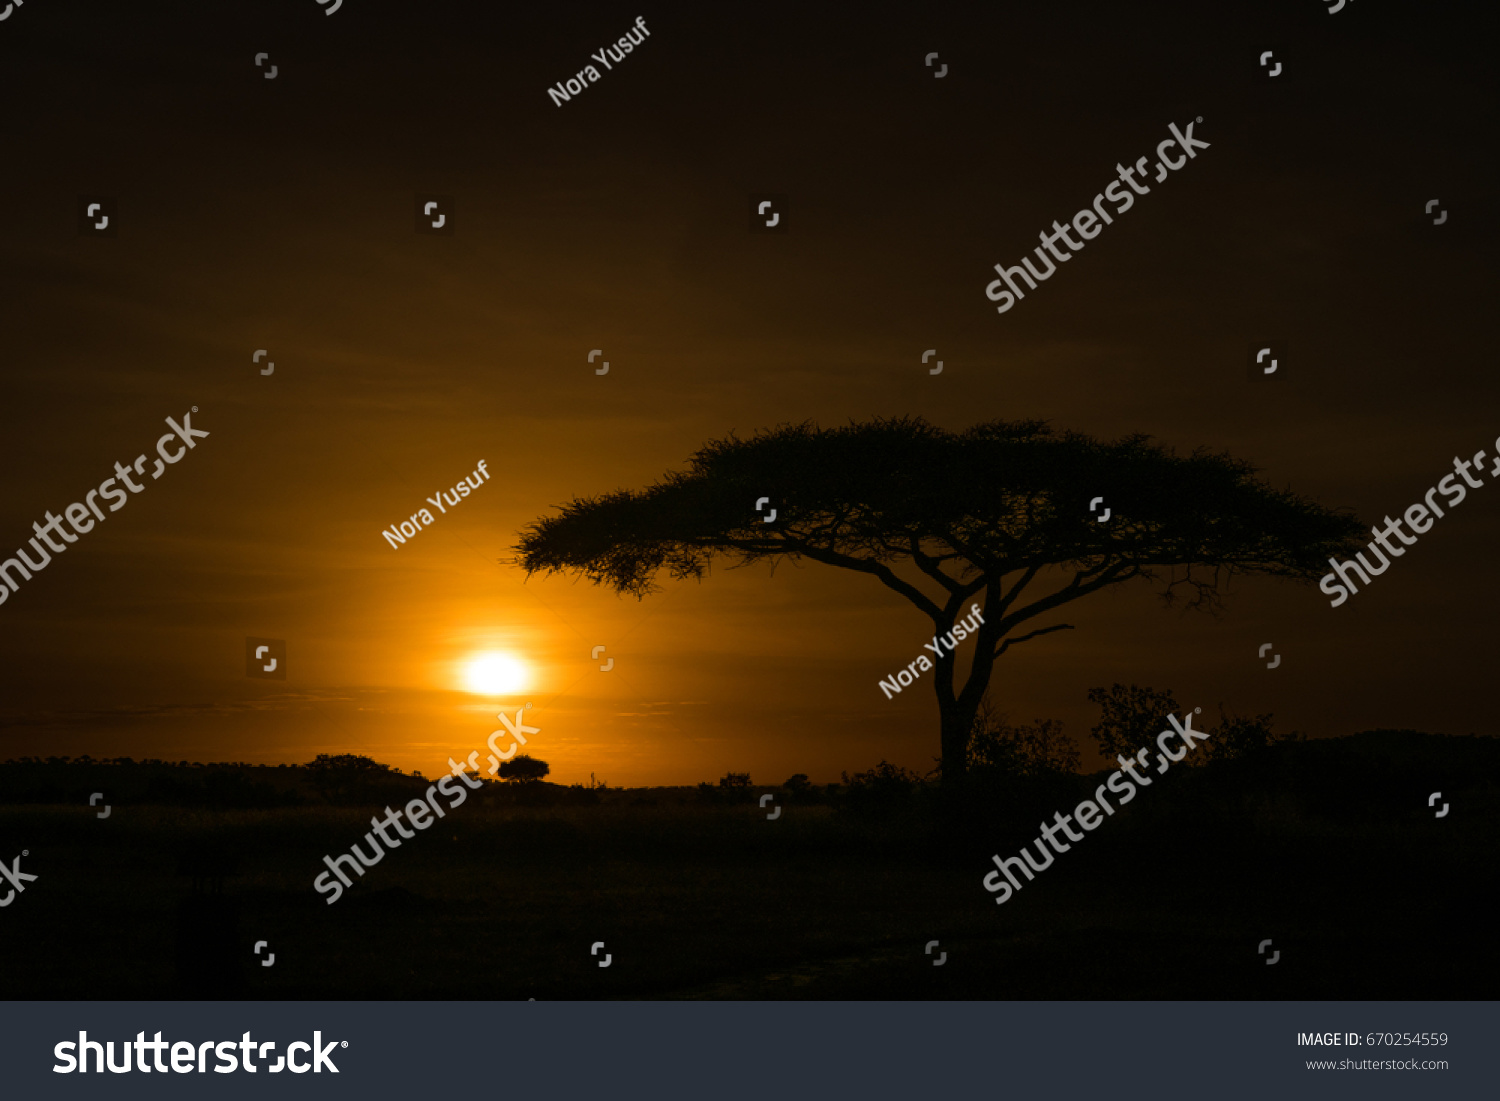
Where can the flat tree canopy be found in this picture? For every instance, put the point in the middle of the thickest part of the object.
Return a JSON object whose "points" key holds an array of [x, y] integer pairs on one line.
{"points": [[524, 768], [949, 519]]}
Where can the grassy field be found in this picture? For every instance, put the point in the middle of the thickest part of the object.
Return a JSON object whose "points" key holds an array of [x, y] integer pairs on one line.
{"points": [[695, 900]]}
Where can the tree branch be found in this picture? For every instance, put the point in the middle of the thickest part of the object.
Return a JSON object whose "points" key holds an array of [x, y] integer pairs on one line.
{"points": [[1009, 598], [929, 565], [880, 570], [1072, 591], [1008, 643]]}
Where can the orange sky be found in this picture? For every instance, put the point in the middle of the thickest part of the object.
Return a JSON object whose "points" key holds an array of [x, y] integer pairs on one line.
{"points": [[280, 217]]}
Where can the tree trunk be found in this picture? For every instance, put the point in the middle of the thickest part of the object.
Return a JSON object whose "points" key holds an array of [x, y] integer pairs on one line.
{"points": [[956, 723], [957, 710]]}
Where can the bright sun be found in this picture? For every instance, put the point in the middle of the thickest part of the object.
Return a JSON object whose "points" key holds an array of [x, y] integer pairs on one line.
{"points": [[495, 674]]}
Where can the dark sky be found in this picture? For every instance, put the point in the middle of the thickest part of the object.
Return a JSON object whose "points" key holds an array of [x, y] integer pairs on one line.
{"points": [[279, 214]]}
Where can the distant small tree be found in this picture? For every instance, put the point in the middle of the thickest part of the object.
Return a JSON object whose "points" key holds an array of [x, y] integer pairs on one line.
{"points": [[797, 783], [1132, 717], [525, 768], [733, 780]]}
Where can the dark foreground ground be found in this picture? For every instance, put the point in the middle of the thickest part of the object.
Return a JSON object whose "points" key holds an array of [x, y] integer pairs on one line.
{"points": [[1333, 855]]}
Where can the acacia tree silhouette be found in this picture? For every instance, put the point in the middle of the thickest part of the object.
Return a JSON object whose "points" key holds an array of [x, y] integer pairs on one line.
{"points": [[979, 515], [525, 768]]}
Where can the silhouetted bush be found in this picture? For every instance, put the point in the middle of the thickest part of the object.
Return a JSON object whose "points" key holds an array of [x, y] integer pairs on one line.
{"points": [[1131, 718], [882, 791], [350, 779], [1236, 738], [733, 788], [1021, 750]]}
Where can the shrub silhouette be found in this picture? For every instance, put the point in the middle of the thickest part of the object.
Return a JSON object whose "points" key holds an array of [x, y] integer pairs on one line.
{"points": [[733, 787], [347, 778], [883, 790], [1132, 717], [1238, 738], [1024, 750]]}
